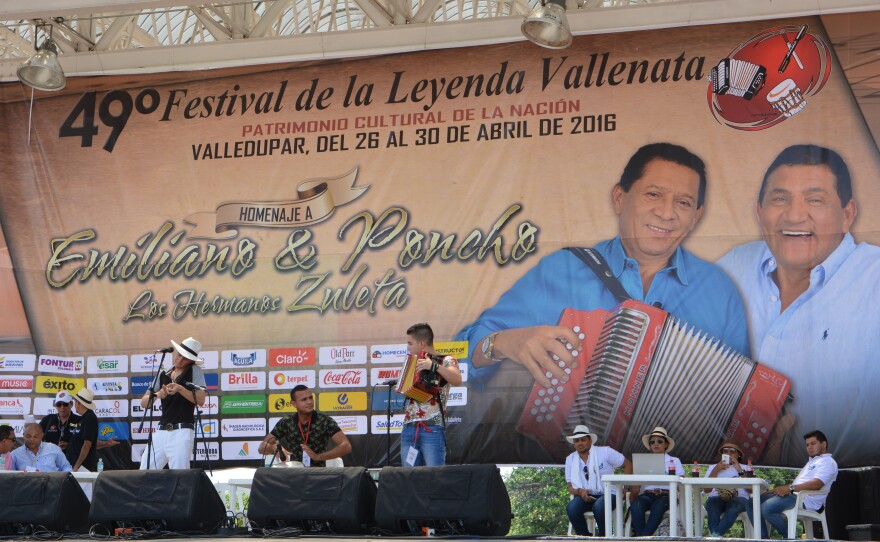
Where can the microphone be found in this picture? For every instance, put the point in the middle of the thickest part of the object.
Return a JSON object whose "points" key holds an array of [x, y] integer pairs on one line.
{"points": [[193, 387], [166, 350], [389, 383]]}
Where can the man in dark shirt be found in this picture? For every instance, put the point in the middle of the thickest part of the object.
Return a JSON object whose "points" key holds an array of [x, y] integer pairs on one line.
{"points": [[307, 435], [180, 389], [56, 427], [83, 448]]}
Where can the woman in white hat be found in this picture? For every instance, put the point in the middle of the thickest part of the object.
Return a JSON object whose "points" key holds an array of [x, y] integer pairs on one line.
{"points": [[653, 499], [180, 389], [584, 469]]}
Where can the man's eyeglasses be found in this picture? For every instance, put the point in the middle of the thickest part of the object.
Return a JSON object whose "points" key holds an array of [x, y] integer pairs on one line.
{"points": [[654, 441], [587, 473], [7, 438]]}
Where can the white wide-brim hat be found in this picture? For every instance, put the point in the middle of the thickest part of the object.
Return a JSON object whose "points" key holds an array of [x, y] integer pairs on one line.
{"points": [[189, 348], [85, 397], [658, 432], [581, 431]]}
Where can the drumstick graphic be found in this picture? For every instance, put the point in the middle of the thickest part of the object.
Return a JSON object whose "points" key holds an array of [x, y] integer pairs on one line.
{"points": [[791, 47]]}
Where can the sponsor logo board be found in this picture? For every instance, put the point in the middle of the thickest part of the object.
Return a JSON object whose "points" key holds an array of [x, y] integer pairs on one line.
{"points": [[54, 384], [13, 363], [457, 396], [243, 359], [243, 427], [352, 425], [107, 364], [17, 426], [44, 406], [210, 360], [243, 404], [212, 405], [15, 406], [456, 349], [16, 383], [280, 402], [137, 411], [342, 355], [140, 384], [147, 363], [243, 381], [388, 353], [137, 451], [379, 424], [285, 380], [111, 408], [240, 450], [142, 433], [380, 375], [210, 429], [109, 386], [213, 448], [291, 357], [117, 430], [212, 381], [342, 378], [346, 401], [380, 400], [58, 365]]}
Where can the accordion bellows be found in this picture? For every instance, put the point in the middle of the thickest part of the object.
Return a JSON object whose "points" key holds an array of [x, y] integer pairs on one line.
{"points": [[640, 367]]}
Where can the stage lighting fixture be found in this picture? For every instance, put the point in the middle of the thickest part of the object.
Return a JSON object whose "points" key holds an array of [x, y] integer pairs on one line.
{"points": [[547, 26], [42, 71]]}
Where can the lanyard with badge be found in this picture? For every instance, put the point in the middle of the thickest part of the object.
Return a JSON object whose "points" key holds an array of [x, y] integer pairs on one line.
{"points": [[306, 459]]}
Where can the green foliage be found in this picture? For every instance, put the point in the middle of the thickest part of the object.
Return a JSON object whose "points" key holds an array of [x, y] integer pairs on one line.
{"points": [[538, 497]]}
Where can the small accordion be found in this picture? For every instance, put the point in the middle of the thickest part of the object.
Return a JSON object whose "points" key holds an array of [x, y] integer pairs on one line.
{"points": [[738, 77], [417, 385], [640, 367]]}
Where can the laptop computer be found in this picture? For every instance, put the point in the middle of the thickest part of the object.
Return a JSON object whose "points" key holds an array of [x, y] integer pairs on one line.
{"points": [[649, 463]]}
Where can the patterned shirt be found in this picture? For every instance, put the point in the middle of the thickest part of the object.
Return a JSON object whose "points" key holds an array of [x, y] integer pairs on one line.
{"points": [[429, 412], [317, 434]]}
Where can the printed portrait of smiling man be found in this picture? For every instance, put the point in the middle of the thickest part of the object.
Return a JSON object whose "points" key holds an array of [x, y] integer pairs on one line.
{"points": [[811, 295]]}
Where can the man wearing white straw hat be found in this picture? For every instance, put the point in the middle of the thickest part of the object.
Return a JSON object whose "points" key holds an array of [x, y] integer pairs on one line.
{"points": [[584, 469], [653, 499], [180, 389], [82, 451]]}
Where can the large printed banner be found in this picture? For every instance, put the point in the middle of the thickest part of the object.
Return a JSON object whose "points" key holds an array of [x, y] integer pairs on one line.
{"points": [[297, 219]]}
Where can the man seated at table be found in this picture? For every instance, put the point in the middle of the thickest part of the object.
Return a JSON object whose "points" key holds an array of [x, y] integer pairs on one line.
{"points": [[584, 469], [818, 474], [724, 505], [308, 436], [7, 443], [653, 499], [37, 455]]}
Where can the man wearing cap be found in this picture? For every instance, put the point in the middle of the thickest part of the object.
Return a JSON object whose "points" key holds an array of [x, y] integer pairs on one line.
{"points": [[724, 505], [82, 451], [37, 455], [817, 475], [584, 469], [653, 499], [172, 443], [56, 427]]}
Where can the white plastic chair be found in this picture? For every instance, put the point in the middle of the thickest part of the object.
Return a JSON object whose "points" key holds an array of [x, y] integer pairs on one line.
{"points": [[701, 512], [335, 462], [807, 516], [591, 522]]}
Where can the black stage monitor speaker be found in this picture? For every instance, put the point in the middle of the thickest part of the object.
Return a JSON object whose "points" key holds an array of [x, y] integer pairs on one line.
{"points": [[317, 500], [456, 499], [53, 500], [157, 500]]}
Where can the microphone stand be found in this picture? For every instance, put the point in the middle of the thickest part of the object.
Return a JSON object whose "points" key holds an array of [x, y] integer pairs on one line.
{"points": [[149, 409], [196, 434], [390, 385]]}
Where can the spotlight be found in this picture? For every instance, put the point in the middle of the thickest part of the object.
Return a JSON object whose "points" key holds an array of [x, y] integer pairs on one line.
{"points": [[42, 71], [547, 26]]}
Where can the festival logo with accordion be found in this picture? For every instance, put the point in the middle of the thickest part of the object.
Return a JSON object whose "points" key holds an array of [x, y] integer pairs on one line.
{"points": [[769, 78]]}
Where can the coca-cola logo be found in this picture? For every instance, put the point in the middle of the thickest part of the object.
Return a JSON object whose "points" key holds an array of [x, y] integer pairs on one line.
{"points": [[348, 378]]}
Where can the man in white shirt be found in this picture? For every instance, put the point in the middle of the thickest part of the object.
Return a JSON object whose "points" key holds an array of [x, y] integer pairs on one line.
{"points": [[653, 500], [584, 469], [818, 474]]}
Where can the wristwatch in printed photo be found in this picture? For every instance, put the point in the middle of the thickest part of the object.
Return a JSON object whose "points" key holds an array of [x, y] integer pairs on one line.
{"points": [[487, 347]]}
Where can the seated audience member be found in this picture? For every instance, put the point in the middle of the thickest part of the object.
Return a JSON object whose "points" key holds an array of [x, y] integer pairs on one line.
{"points": [[818, 474], [37, 455], [725, 504], [584, 469], [653, 500], [7, 443]]}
